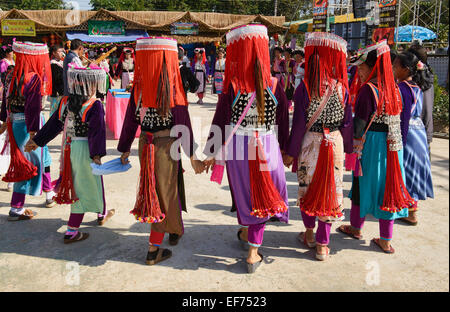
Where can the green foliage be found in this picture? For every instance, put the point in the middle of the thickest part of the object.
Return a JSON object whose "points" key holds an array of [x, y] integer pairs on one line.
{"points": [[31, 4], [263, 7], [441, 106]]}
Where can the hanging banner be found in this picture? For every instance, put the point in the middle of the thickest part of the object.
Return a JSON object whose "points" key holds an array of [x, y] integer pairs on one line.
{"points": [[387, 22], [18, 27], [184, 28], [320, 8], [106, 28]]}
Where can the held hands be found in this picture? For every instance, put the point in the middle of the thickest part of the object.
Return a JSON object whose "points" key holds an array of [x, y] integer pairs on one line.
{"points": [[287, 160], [358, 145], [97, 160], [30, 146], [3, 128], [197, 165], [209, 163], [124, 158]]}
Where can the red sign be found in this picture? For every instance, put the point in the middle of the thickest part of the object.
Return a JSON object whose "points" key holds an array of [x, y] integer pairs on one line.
{"points": [[384, 33], [320, 7]]}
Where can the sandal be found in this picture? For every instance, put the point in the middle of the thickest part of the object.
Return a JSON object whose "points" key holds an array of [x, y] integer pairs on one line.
{"points": [[409, 222], [251, 267], [302, 238], [376, 241], [323, 257], [108, 216], [78, 238], [27, 215], [243, 243], [173, 239], [347, 230], [157, 256]]}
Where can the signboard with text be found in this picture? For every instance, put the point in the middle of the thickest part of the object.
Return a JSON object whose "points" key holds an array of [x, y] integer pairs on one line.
{"points": [[106, 28], [18, 27], [184, 28]]}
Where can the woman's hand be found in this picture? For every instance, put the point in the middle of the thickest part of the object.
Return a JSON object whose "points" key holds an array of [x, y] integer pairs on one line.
{"points": [[97, 160], [124, 158], [209, 163], [197, 165], [3, 128], [288, 160], [30, 146]]}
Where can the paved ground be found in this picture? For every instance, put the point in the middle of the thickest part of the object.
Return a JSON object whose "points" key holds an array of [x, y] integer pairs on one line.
{"points": [[208, 257]]}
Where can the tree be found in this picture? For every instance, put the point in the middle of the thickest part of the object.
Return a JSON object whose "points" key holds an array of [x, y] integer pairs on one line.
{"points": [[250, 7], [31, 4]]}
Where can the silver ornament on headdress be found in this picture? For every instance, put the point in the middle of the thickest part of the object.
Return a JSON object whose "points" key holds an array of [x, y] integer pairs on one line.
{"points": [[86, 81]]}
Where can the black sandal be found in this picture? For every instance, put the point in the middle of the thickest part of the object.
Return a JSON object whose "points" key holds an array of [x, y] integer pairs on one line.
{"points": [[154, 257], [78, 238], [251, 267]]}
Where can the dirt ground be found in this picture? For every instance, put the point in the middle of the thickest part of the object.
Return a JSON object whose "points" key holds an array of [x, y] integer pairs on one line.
{"points": [[208, 256]]}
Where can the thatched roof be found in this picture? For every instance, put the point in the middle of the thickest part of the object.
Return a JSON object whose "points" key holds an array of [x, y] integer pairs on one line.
{"points": [[154, 22]]}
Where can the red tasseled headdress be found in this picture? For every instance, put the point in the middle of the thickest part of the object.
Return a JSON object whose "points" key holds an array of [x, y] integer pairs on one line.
{"points": [[203, 55], [124, 51], [32, 58], [330, 64], [387, 88], [151, 52], [244, 45]]}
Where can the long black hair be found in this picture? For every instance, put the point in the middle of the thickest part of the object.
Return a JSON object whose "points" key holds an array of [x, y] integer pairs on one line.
{"points": [[409, 61], [428, 76]]}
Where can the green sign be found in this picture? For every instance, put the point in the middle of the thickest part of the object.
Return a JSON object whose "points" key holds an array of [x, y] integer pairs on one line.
{"points": [[106, 28]]}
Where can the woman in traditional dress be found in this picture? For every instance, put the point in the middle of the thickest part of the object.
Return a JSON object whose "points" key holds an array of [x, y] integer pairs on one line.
{"points": [[409, 72], [31, 79], [56, 63], [299, 68], [81, 116], [4, 145], [125, 67], [321, 132], [256, 104], [277, 69], [378, 183], [200, 68], [287, 68], [158, 104], [219, 70]]}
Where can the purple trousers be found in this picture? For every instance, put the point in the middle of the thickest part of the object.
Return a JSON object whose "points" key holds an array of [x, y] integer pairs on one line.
{"points": [[386, 226], [323, 230], [18, 199]]}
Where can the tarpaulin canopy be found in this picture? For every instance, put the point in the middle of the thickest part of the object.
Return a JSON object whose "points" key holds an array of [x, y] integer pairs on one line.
{"points": [[130, 35], [405, 33]]}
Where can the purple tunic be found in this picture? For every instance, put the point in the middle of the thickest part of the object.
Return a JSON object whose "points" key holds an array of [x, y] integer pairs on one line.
{"points": [[299, 122], [237, 166], [95, 118], [408, 101], [130, 125], [366, 105], [222, 116]]}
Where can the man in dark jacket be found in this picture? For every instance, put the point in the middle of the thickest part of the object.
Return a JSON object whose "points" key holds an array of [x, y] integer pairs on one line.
{"points": [[75, 52], [190, 83]]}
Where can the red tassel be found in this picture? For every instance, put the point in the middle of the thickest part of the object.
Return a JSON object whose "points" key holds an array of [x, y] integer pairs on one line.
{"points": [[321, 198], [396, 196], [65, 191], [266, 200], [358, 168], [20, 168], [147, 209]]}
